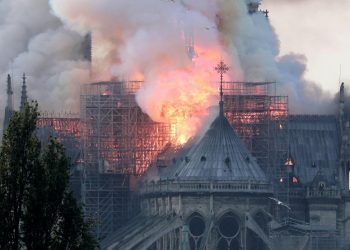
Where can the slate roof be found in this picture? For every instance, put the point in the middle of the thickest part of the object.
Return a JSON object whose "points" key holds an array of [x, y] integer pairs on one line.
{"points": [[314, 144], [140, 231], [219, 155]]}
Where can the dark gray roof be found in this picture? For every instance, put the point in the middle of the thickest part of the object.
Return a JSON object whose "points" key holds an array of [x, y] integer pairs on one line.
{"points": [[314, 144], [141, 231], [219, 155]]}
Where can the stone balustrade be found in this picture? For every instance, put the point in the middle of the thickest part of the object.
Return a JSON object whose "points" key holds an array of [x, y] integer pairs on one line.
{"points": [[210, 187], [327, 193]]}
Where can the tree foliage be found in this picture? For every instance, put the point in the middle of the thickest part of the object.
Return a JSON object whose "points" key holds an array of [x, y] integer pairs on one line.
{"points": [[37, 210]]}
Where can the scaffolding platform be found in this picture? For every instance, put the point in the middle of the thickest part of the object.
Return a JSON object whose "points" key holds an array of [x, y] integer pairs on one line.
{"points": [[260, 117], [118, 141]]}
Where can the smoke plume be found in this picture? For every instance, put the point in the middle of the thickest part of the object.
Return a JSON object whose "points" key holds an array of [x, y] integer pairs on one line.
{"points": [[148, 39], [173, 45], [35, 41]]}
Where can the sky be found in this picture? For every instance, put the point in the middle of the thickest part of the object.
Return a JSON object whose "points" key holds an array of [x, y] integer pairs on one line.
{"points": [[318, 29]]}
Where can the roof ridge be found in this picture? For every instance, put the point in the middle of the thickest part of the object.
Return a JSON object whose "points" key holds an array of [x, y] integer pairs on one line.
{"points": [[220, 155]]}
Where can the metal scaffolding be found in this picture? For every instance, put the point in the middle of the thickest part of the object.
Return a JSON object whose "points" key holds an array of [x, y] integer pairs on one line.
{"points": [[63, 124], [119, 140], [260, 118], [106, 199], [66, 128], [118, 136]]}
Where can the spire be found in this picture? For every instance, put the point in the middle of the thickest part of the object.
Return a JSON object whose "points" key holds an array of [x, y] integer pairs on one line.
{"points": [[9, 93], [87, 47], [9, 86], [9, 106], [24, 97], [341, 93], [221, 68], [342, 106]]}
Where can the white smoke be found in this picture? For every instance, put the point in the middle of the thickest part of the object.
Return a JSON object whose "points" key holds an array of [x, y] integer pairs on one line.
{"points": [[145, 39], [35, 41], [140, 34], [256, 46]]}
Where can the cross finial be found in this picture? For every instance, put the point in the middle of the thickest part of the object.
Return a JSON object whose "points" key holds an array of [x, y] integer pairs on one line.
{"points": [[266, 12], [222, 69]]}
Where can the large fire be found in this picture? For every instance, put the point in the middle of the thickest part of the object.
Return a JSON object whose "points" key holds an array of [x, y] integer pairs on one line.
{"points": [[183, 96], [189, 105]]}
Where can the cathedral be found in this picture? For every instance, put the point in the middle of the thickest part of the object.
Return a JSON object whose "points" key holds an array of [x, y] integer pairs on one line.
{"points": [[259, 178], [212, 193]]}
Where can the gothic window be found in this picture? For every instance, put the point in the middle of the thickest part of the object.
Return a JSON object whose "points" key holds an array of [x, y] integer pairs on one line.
{"points": [[196, 226], [228, 228]]}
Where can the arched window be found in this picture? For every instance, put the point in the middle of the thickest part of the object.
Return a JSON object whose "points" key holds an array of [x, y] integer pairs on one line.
{"points": [[228, 228], [196, 225]]}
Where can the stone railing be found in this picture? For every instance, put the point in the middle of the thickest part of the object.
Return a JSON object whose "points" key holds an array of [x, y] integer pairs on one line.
{"points": [[297, 193], [327, 193], [210, 187]]}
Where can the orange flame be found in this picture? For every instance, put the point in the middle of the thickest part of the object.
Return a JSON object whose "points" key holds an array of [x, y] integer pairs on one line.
{"points": [[189, 95], [180, 91]]}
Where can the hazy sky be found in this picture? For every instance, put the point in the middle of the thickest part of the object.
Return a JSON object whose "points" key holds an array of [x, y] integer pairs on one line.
{"points": [[318, 29]]}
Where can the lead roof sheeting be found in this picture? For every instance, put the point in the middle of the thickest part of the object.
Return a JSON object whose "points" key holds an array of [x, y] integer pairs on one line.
{"points": [[219, 143], [314, 139]]}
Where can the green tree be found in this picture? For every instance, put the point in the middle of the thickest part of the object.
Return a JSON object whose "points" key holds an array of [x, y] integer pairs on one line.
{"points": [[37, 210]]}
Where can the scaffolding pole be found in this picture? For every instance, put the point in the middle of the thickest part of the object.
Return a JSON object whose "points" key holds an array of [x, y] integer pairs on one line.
{"points": [[119, 140]]}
